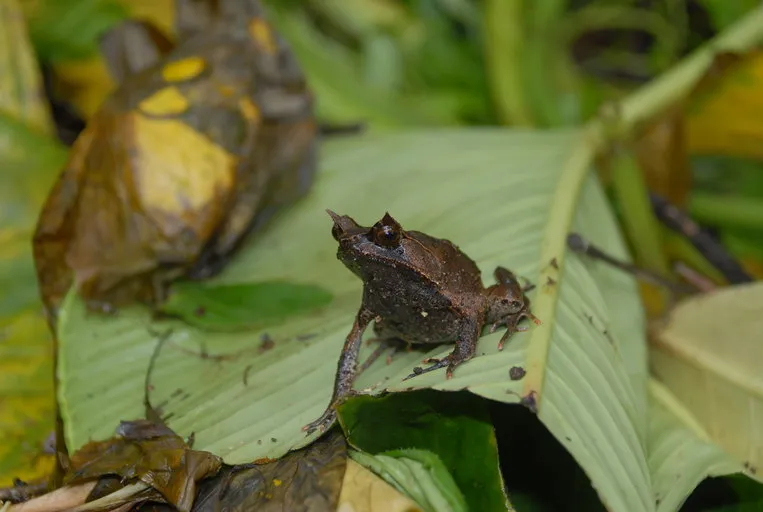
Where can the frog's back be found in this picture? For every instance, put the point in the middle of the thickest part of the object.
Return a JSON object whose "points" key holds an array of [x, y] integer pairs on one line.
{"points": [[453, 270]]}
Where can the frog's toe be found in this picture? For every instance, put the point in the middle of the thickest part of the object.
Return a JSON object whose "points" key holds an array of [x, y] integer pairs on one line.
{"points": [[436, 365]]}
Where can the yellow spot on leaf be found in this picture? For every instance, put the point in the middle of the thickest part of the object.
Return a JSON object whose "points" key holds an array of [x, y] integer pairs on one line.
{"points": [[165, 102], [277, 482], [183, 69], [226, 90], [249, 110], [262, 35], [189, 179]]}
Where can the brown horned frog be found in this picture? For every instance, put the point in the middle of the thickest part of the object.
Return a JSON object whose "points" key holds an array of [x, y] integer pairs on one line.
{"points": [[420, 290]]}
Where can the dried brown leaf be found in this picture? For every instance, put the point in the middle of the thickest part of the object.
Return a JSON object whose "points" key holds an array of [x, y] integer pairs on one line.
{"points": [[660, 150], [307, 480], [179, 163], [151, 453]]}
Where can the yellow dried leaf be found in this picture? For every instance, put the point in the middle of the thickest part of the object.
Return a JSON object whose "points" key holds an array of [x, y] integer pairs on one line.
{"points": [[26, 388], [726, 114], [20, 80], [710, 356], [363, 491]]}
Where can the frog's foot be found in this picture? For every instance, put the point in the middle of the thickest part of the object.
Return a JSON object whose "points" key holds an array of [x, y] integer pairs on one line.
{"points": [[511, 327], [323, 423], [328, 417]]}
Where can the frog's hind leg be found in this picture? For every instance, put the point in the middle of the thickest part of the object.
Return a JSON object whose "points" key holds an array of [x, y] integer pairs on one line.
{"points": [[466, 347]]}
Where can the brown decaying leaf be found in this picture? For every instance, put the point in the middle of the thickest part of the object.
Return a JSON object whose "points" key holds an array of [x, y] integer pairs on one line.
{"points": [[307, 480], [726, 109], [660, 150], [150, 453], [181, 160]]}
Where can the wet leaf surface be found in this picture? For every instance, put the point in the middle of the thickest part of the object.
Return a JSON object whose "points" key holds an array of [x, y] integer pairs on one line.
{"points": [[455, 427], [243, 306]]}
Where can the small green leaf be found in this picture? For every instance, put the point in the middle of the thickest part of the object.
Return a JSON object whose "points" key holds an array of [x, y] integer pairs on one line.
{"points": [[420, 474], [243, 306], [725, 13], [455, 427]]}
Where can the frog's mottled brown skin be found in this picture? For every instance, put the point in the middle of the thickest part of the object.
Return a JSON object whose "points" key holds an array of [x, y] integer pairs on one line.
{"points": [[199, 144], [420, 290]]}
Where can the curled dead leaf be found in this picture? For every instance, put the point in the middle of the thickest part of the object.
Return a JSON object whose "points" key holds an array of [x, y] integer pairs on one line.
{"points": [[193, 150], [307, 480], [149, 453]]}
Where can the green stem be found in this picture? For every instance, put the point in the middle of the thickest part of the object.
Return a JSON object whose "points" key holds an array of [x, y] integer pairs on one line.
{"points": [[681, 249], [548, 75], [504, 41], [677, 83], [641, 227], [727, 211], [642, 105]]}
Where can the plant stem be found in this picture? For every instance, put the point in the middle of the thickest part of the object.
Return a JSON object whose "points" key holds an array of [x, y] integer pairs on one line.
{"points": [[504, 40], [727, 211], [641, 227]]}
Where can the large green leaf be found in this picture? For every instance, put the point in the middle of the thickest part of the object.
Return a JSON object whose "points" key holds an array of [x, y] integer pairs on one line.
{"points": [[507, 198], [453, 427], [419, 474], [681, 455]]}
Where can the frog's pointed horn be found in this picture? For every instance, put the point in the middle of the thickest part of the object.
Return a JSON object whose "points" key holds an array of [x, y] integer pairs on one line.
{"points": [[342, 224], [389, 220]]}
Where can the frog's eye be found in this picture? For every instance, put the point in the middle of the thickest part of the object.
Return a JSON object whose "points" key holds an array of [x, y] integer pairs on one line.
{"points": [[386, 236], [515, 306]]}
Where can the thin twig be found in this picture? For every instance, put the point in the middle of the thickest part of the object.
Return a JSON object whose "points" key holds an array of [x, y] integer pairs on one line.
{"points": [[680, 222], [694, 277], [580, 245]]}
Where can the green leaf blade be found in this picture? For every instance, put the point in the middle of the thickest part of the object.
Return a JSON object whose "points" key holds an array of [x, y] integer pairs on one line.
{"points": [[504, 197]]}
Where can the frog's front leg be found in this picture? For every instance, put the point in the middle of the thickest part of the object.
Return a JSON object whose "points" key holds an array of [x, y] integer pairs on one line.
{"points": [[465, 348], [346, 371]]}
